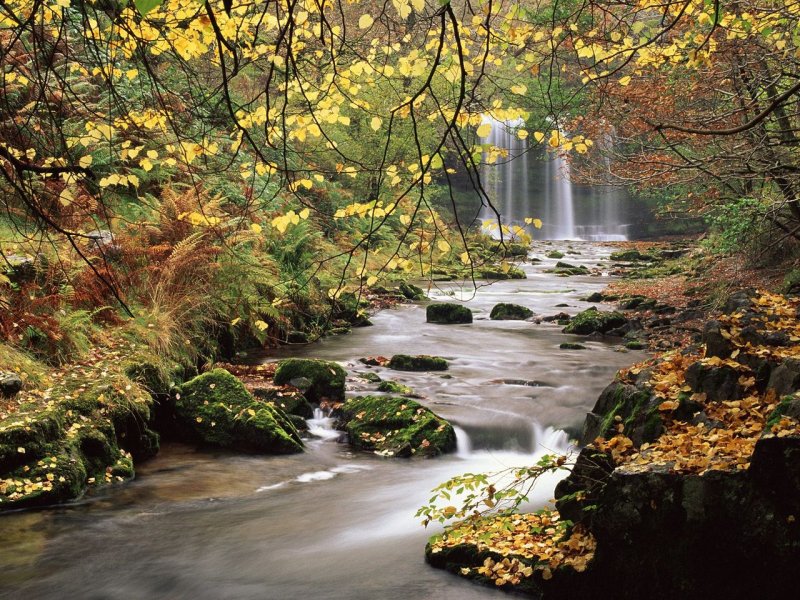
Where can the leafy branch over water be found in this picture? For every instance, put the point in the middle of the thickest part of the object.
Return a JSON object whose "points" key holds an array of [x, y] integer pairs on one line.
{"points": [[479, 494]]}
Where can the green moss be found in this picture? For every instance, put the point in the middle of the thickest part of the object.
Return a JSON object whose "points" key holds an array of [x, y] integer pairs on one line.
{"points": [[394, 387], [421, 362], [290, 403], [630, 256], [501, 273], [411, 292], [592, 320], [508, 311], [215, 408], [396, 427], [555, 254], [371, 377], [778, 412], [448, 313], [635, 345], [571, 346], [32, 432], [327, 378]]}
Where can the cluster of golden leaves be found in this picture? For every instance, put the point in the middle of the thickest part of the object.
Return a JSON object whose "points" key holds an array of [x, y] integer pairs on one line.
{"points": [[529, 542], [699, 448]]}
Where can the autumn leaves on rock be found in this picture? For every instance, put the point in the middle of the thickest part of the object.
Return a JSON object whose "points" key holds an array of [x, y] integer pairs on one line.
{"points": [[690, 470]]}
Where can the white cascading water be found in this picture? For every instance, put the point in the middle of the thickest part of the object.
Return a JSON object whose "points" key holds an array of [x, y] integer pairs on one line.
{"points": [[322, 426], [520, 187]]}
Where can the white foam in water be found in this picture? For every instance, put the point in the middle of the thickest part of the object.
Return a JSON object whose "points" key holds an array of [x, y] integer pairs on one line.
{"points": [[322, 426], [315, 476], [274, 486], [350, 468]]}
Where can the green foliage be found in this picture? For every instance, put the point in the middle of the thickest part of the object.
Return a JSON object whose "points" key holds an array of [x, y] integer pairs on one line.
{"points": [[473, 495], [738, 226]]}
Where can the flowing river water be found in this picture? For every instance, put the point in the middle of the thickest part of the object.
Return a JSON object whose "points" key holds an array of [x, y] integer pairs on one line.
{"points": [[330, 523]]}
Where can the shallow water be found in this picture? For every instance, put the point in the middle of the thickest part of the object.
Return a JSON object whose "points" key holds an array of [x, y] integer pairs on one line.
{"points": [[329, 523]]}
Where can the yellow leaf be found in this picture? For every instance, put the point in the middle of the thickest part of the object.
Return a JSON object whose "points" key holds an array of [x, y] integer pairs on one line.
{"points": [[376, 123], [405, 219], [255, 227], [522, 134], [372, 280], [146, 164], [538, 136], [625, 80], [484, 130], [464, 256], [304, 213], [235, 321], [65, 198], [261, 325], [365, 21], [443, 245]]}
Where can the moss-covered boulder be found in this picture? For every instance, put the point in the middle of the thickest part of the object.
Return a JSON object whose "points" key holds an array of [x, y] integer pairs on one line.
{"points": [[631, 256], [592, 320], [508, 272], [635, 409], [393, 387], [411, 292], [555, 254], [326, 377], [393, 426], [568, 269], [420, 362], [506, 311], [89, 434], [447, 313], [216, 409]]}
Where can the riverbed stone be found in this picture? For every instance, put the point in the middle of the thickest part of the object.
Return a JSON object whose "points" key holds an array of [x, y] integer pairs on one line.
{"points": [[216, 409], [592, 320], [506, 311], [411, 292], [397, 427], [327, 378], [446, 313], [630, 256], [420, 362], [394, 387]]}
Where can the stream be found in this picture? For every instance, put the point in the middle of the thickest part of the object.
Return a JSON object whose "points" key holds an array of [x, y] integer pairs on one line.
{"points": [[331, 523]]}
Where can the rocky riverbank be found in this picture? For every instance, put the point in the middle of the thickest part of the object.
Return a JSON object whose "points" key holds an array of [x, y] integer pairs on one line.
{"points": [[688, 483]]}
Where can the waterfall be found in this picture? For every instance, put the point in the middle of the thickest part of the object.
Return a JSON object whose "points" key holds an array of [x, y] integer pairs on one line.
{"points": [[463, 443], [561, 198], [532, 184]]}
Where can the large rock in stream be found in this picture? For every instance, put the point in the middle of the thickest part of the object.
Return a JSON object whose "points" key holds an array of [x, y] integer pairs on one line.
{"points": [[317, 379], [592, 320], [216, 409], [398, 427], [447, 313]]}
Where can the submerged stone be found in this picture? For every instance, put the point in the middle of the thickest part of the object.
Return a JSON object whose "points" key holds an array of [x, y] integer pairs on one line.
{"points": [[420, 362]]}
